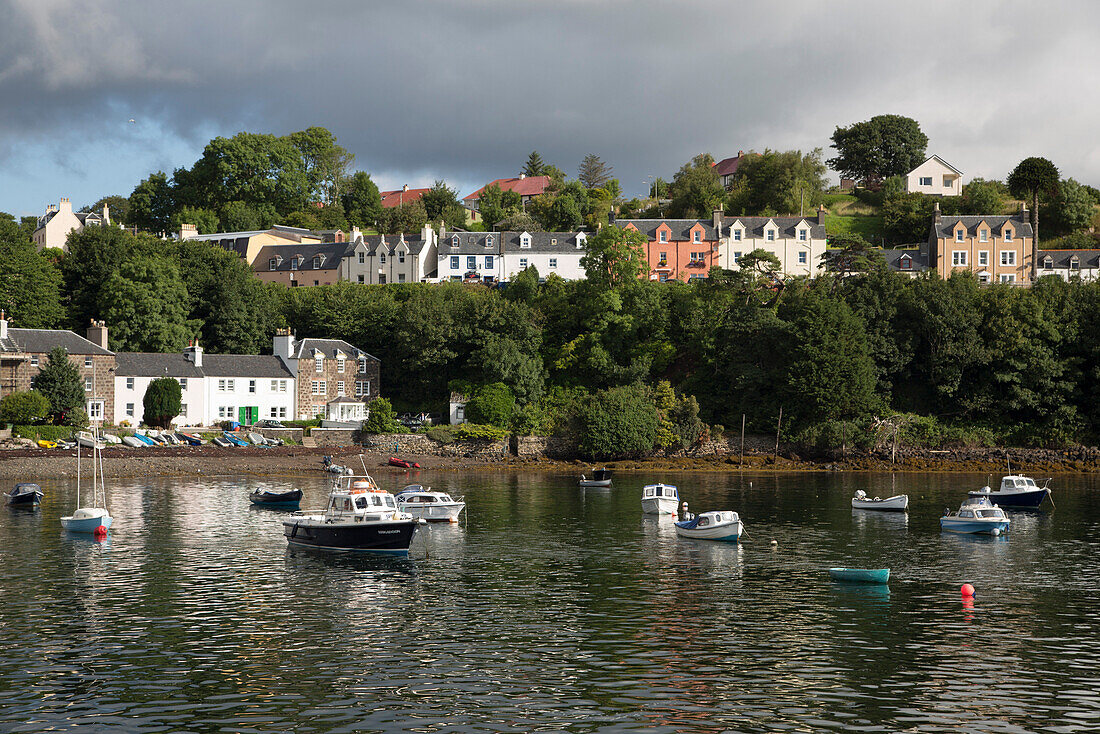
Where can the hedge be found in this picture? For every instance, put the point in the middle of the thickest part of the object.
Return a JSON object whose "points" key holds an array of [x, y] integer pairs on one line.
{"points": [[45, 433]]}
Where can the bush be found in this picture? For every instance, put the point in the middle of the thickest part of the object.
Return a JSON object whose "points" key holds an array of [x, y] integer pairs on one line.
{"points": [[491, 405], [479, 432], [24, 407], [77, 418], [441, 434], [163, 400], [382, 419], [46, 433], [314, 423], [616, 423]]}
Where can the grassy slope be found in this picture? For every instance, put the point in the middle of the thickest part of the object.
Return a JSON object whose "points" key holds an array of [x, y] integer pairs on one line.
{"points": [[849, 215]]}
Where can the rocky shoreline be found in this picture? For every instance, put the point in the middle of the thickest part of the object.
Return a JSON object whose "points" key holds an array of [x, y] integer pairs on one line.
{"points": [[36, 463]]}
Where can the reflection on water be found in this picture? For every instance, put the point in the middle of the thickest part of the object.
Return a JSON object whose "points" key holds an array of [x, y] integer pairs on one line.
{"points": [[552, 607]]}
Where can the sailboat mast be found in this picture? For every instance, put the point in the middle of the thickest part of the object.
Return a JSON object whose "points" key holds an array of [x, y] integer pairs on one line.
{"points": [[78, 474]]}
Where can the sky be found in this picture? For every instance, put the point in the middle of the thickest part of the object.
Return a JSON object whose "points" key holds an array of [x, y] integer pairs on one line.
{"points": [[462, 91]]}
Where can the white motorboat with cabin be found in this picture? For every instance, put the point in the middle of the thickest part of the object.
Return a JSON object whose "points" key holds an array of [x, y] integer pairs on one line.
{"points": [[897, 503], [360, 517], [93, 518], [1015, 491], [600, 478], [423, 503], [660, 499], [722, 525], [976, 515]]}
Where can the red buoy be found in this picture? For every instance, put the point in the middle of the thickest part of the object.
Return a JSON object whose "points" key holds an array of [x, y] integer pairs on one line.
{"points": [[967, 591], [100, 532]]}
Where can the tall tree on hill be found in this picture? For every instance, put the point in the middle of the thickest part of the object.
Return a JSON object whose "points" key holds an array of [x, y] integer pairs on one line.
{"points": [[438, 199], [495, 204], [778, 182], [30, 285], [147, 305], [362, 202], [593, 172], [534, 165], [95, 255], [695, 189], [885, 145], [614, 257], [326, 163], [1034, 179], [152, 203], [250, 167]]}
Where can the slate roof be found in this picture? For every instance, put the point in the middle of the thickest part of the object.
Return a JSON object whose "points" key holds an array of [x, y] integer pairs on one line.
{"points": [[244, 365], [372, 242], [470, 243], [542, 242], [174, 364], [529, 186], [945, 227], [390, 199], [238, 241], [304, 348], [681, 228], [754, 226], [1060, 259], [331, 252], [155, 364], [919, 261], [41, 341]]}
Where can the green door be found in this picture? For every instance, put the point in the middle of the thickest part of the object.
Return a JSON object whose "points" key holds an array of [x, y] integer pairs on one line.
{"points": [[247, 415]]}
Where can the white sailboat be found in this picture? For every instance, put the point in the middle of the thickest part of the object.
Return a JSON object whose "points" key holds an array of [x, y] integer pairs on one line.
{"points": [[92, 519]]}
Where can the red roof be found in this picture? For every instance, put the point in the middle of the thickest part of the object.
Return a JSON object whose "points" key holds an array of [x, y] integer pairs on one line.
{"points": [[528, 186], [730, 165], [391, 199]]}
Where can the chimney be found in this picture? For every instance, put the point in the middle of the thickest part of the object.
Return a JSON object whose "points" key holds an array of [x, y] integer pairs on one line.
{"points": [[3, 326], [716, 219], [740, 153], [355, 233], [283, 345], [611, 216], [66, 206], [522, 176], [106, 214], [1023, 210], [51, 208], [97, 331], [187, 231], [193, 353], [821, 214], [937, 216]]}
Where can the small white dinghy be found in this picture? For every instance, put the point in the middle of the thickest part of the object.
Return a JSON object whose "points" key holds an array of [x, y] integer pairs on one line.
{"points": [[600, 478], [133, 442], [897, 503], [724, 525]]}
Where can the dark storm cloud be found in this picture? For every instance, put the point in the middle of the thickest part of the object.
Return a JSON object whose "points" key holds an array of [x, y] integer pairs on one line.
{"points": [[464, 90]]}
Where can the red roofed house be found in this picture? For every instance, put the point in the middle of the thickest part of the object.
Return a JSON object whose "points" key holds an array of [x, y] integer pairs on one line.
{"points": [[528, 187], [405, 195], [727, 168]]}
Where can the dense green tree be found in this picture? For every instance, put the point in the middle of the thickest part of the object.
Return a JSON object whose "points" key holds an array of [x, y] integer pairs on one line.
{"points": [[491, 404], [95, 255], [593, 172], [520, 222], [885, 145], [237, 216], [566, 209], [495, 205], [907, 218], [778, 182], [253, 168], [30, 284], [325, 162], [409, 217], [617, 423], [60, 383], [118, 208], [24, 408], [162, 402], [695, 189], [534, 165], [382, 418], [983, 197], [1072, 208], [362, 202], [614, 257], [205, 220], [438, 199], [146, 305], [303, 219], [152, 204], [851, 253], [1034, 179]]}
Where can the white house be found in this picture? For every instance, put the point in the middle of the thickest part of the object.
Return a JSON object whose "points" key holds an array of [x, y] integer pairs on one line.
{"points": [[548, 252], [59, 220], [469, 256], [936, 177], [798, 242], [214, 387], [391, 258], [1069, 264]]}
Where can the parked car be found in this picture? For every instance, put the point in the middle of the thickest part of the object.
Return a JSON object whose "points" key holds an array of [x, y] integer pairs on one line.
{"points": [[268, 423]]}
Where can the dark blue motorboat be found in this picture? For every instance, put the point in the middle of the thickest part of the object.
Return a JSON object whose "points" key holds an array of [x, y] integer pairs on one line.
{"points": [[25, 494], [288, 500], [1015, 491]]}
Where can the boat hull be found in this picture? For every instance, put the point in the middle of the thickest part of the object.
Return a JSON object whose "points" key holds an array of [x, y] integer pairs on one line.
{"points": [[727, 532], [25, 499], [277, 500], [897, 503], [595, 482], [660, 505], [1029, 498], [438, 512], [973, 526], [350, 537], [87, 524], [861, 575]]}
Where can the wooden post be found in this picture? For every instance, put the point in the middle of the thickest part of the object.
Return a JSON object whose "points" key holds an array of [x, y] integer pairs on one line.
{"points": [[742, 439], [894, 452], [778, 427]]}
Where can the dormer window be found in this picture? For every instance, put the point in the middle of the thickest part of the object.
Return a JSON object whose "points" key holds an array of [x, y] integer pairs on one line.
{"points": [[905, 262], [802, 235], [454, 241], [696, 236], [1075, 263], [525, 240], [983, 235], [769, 235], [662, 236], [272, 264], [488, 240], [1008, 235], [737, 235], [294, 262], [1048, 263], [316, 263], [959, 235]]}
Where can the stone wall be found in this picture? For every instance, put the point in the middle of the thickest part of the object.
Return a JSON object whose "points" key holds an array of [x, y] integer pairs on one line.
{"points": [[294, 434]]}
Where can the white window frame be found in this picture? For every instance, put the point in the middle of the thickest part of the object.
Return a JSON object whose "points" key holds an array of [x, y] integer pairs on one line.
{"points": [[319, 363], [454, 262], [925, 181], [959, 258], [362, 258], [553, 262], [960, 235], [130, 410], [129, 383], [34, 360], [1008, 277], [803, 258], [983, 258], [1008, 235], [769, 235], [183, 382], [362, 365], [1008, 258], [94, 409], [523, 263], [340, 365], [272, 264], [87, 384], [802, 235], [662, 236], [471, 262], [737, 235], [339, 388], [252, 386], [525, 240], [696, 237]]}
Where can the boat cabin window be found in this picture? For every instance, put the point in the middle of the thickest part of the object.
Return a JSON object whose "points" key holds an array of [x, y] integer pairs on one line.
{"points": [[361, 503], [377, 501], [704, 521], [389, 501], [966, 513], [986, 513], [347, 504]]}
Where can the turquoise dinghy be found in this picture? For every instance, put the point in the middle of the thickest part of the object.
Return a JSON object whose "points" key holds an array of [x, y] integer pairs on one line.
{"points": [[862, 575]]}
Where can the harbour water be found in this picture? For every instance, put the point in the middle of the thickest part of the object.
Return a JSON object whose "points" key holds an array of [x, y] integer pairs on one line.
{"points": [[554, 608]]}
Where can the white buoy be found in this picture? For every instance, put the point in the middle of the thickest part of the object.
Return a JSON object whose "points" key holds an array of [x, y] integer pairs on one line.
{"points": [[774, 543]]}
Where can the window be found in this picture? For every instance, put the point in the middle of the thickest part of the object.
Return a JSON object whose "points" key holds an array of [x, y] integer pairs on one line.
{"points": [[983, 257], [95, 410], [523, 263], [1008, 278], [696, 236], [698, 257], [454, 241], [1008, 235], [272, 264], [183, 383], [925, 180], [802, 258], [401, 257], [87, 385], [400, 277], [362, 257], [340, 388], [361, 279], [315, 283], [553, 262], [983, 235], [130, 409], [802, 235], [488, 240], [905, 262], [381, 278], [226, 385], [1074, 263], [318, 387], [1048, 263], [770, 235], [382, 258], [958, 258], [319, 363], [183, 410], [736, 235], [34, 360], [662, 236], [340, 365], [294, 262], [274, 413], [282, 411], [663, 277], [525, 240], [454, 262], [736, 257], [316, 263], [488, 262], [362, 364], [696, 276], [471, 262], [664, 259], [1008, 257], [948, 182], [87, 361], [959, 234], [983, 278], [252, 386], [362, 388], [129, 383]]}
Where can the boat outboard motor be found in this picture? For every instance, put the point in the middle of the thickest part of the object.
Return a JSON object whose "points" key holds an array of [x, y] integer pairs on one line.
{"points": [[860, 494]]}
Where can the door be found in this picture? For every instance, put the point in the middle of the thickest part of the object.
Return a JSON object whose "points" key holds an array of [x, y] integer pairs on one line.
{"points": [[248, 414]]}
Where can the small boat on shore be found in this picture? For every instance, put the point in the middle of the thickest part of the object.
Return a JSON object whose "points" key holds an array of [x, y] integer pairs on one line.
{"points": [[1015, 491], [257, 439], [45, 444], [133, 442], [403, 463], [222, 441], [235, 440], [25, 495], [600, 478], [111, 438], [360, 517], [976, 515], [861, 575], [660, 499], [288, 500], [724, 525], [428, 505], [897, 503], [85, 439], [189, 438]]}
